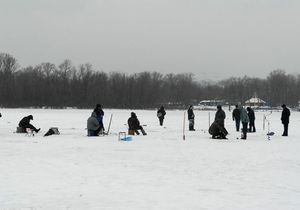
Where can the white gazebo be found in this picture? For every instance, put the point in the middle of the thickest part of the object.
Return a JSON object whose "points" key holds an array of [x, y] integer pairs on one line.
{"points": [[255, 102]]}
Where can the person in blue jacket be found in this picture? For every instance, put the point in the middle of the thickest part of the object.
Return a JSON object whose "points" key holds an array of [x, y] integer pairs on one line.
{"points": [[99, 115]]}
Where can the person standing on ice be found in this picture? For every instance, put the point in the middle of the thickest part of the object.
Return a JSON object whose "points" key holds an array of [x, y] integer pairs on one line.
{"points": [[245, 121], [99, 115], [134, 125], [236, 117], [251, 116], [220, 116], [191, 118], [93, 126], [285, 119], [25, 123], [161, 115]]}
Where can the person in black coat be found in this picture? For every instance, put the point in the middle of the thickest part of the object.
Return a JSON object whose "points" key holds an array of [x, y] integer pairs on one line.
{"points": [[251, 116], [25, 123], [285, 119], [161, 115], [99, 115], [220, 116], [134, 124], [191, 118], [236, 116]]}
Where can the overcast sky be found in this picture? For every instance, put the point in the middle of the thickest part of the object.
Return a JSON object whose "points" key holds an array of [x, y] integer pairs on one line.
{"points": [[214, 39]]}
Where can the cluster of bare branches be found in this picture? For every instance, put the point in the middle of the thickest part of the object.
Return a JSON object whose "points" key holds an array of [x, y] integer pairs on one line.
{"points": [[48, 85]]}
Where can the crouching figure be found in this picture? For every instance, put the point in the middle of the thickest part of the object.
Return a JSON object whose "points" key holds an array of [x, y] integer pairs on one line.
{"points": [[93, 126], [217, 131], [134, 125]]}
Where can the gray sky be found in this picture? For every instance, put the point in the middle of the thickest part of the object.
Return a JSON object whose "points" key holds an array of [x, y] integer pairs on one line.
{"points": [[214, 39]]}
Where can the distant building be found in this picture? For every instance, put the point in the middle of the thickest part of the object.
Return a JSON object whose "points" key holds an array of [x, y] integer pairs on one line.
{"points": [[209, 104], [255, 102]]}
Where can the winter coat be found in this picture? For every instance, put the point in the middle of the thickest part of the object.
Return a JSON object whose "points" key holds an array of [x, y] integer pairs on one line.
{"points": [[161, 113], [236, 114], [216, 129], [285, 115], [251, 114], [92, 122], [244, 115], [133, 122], [220, 116], [99, 114], [191, 114], [25, 121]]}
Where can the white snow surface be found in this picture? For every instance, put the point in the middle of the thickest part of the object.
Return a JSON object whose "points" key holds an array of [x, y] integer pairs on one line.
{"points": [[157, 171]]}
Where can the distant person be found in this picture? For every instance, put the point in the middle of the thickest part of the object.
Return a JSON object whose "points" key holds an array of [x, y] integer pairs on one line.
{"points": [[161, 115], [245, 120], [0, 114], [25, 123], [191, 118], [251, 116], [93, 126], [99, 115], [220, 116], [285, 119], [134, 125], [236, 117]]}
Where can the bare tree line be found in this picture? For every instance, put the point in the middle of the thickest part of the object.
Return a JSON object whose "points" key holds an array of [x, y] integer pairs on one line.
{"points": [[48, 85]]}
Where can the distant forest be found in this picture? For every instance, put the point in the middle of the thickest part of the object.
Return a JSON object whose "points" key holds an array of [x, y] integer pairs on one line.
{"points": [[65, 85]]}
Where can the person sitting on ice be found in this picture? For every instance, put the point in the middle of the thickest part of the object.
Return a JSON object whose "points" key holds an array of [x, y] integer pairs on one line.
{"points": [[217, 130], [93, 126], [134, 125], [99, 115], [25, 123]]}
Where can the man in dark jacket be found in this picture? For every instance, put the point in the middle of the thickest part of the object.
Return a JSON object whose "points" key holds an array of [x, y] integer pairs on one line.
{"points": [[99, 115], [191, 118], [236, 117], [220, 116], [25, 123], [251, 116], [93, 126], [285, 119], [134, 124], [161, 115]]}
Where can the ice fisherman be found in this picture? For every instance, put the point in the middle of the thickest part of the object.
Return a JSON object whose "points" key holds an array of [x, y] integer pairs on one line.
{"points": [[251, 116], [134, 125], [99, 115], [25, 123], [285, 119], [191, 118], [236, 117], [93, 126], [161, 115], [245, 121]]}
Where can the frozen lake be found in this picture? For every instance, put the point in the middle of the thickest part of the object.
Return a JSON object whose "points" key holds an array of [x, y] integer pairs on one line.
{"points": [[157, 171]]}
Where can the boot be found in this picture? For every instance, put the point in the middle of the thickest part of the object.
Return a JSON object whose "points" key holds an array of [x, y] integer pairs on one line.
{"points": [[143, 132]]}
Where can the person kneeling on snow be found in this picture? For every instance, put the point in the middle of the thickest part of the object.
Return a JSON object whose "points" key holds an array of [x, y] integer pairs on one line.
{"points": [[25, 123], [217, 131], [93, 126], [134, 125]]}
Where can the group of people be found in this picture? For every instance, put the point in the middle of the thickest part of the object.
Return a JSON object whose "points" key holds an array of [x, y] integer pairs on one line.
{"points": [[217, 129], [242, 116]]}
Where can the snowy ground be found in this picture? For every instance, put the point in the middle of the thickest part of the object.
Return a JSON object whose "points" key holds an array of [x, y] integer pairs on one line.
{"points": [[157, 171]]}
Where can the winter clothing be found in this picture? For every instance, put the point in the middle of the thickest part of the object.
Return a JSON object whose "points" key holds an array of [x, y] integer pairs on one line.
{"points": [[217, 131], [93, 125], [134, 124], [191, 118], [220, 116], [25, 123], [285, 119], [0, 115], [245, 120], [236, 117], [161, 115], [251, 116], [99, 115]]}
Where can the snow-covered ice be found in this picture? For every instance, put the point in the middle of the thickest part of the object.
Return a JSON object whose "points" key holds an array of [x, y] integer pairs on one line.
{"points": [[157, 171]]}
